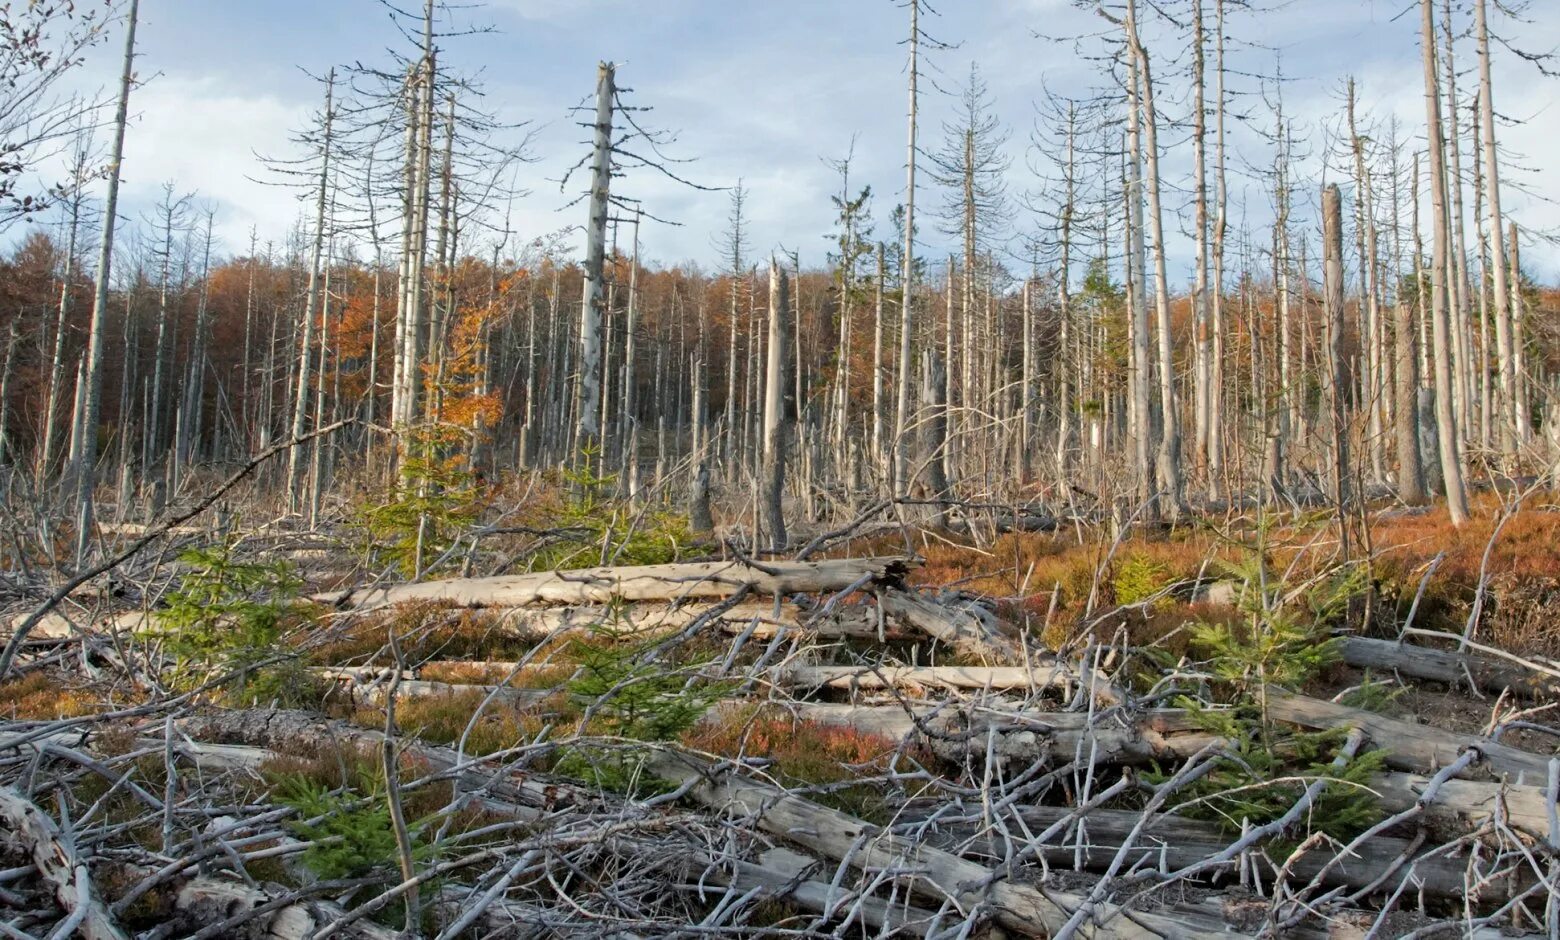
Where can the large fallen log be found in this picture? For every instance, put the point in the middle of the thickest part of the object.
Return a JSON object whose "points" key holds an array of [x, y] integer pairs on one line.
{"points": [[1408, 746], [295, 732], [963, 626], [642, 620], [1486, 673], [1461, 805], [786, 875], [929, 871], [957, 733], [637, 583], [1169, 843], [1051, 674]]}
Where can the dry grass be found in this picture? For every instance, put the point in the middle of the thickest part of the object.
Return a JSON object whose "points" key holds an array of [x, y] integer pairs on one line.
{"points": [[425, 631], [42, 696], [443, 719], [808, 753], [1522, 574]]}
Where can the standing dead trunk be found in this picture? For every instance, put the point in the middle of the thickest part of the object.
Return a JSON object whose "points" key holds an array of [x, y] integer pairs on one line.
{"points": [[1171, 487], [1519, 342], [1142, 422], [311, 299], [1202, 343], [86, 427], [1338, 387], [1445, 385], [7, 369], [1411, 474], [57, 360], [879, 452], [907, 269], [1220, 226], [1510, 426], [592, 306], [775, 418]]}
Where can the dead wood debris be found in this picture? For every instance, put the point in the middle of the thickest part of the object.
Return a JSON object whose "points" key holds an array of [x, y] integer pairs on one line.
{"points": [[994, 788]]}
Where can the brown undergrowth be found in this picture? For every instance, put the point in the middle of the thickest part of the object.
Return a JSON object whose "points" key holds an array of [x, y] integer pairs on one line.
{"points": [[841, 765]]}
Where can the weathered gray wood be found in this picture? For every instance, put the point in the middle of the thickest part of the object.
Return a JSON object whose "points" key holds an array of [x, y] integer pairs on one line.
{"points": [[1171, 842], [1408, 746], [930, 871], [965, 627], [636, 583], [956, 733], [58, 864], [1467, 804], [1040, 677], [1488, 673]]}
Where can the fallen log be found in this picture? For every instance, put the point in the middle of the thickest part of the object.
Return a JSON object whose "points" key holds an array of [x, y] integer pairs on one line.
{"points": [[1486, 673], [1408, 746], [957, 733], [643, 620], [963, 626], [294, 732], [59, 865], [785, 875], [1046, 676], [1461, 805], [1170, 843], [929, 871], [674, 582], [208, 901]]}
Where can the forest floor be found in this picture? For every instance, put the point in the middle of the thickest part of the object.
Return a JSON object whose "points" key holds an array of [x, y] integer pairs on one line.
{"points": [[1243, 726]]}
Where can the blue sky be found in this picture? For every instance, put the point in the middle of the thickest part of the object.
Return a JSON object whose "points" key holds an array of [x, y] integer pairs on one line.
{"points": [[762, 91]]}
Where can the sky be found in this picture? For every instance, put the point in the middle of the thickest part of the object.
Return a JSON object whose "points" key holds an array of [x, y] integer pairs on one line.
{"points": [[766, 92]]}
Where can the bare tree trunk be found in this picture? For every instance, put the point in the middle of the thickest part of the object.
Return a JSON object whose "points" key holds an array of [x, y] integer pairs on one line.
{"points": [[1411, 474], [1458, 290], [1445, 387], [1202, 342], [57, 360], [1170, 442], [907, 269], [775, 418], [933, 388], [1511, 426], [1220, 226], [1338, 390], [7, 368], [311, 300], [1136, 256], [879, 451], [86, 427], [591, 308], [1370, 331], [1519, 342]]}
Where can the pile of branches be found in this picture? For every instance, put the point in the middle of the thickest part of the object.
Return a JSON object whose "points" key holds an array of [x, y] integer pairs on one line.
{"points": [[1092, 791]]}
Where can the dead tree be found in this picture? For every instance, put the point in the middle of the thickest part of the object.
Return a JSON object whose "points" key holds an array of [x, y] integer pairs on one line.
{"points": [[776, 422], [85, 429]]}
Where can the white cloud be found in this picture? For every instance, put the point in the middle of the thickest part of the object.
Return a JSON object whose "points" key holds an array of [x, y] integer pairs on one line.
{"points": [[203, 134]]}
